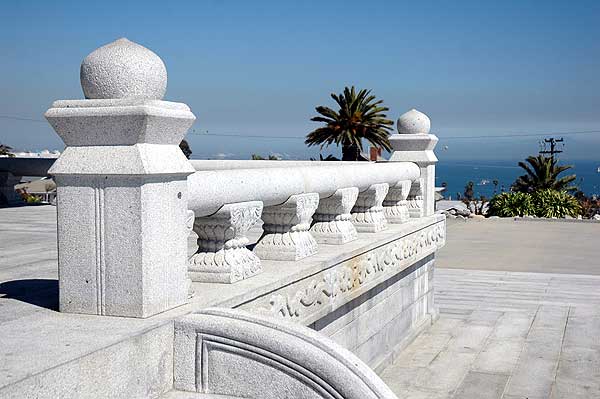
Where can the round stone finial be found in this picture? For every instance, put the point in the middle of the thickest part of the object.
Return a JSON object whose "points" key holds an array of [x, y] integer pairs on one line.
{"points": [[414, 122], [123, 69]]}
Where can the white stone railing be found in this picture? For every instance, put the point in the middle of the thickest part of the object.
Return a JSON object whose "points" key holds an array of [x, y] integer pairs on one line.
{"points": [[127, 196], [341, 197]]}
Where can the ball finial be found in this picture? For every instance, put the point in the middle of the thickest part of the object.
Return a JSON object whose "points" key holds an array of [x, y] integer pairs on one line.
{"points": [[414, 122], [123, 69]]}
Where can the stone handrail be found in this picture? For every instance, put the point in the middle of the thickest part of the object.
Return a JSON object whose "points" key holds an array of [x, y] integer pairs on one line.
{"points": [[221, 164], [274, 183], [235, 353]]}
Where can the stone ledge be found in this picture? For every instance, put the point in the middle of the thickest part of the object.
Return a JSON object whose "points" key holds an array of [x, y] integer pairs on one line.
{"points": [[50, 340]]}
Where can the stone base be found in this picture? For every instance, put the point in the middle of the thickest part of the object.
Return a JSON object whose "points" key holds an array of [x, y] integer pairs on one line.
{"points": [[286, 229], [395, 205], [397, 213], [333, 222], [293, 246], [369, 222], [334, 232], [360, 287], [225, 266], [367, 214], [222, 254]]}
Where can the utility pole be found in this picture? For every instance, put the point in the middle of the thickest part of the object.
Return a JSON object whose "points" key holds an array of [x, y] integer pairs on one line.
{"points": [[552, 141]]}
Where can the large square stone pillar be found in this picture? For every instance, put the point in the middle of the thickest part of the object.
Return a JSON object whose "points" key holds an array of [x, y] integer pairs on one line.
{"points": [[121, 189]]}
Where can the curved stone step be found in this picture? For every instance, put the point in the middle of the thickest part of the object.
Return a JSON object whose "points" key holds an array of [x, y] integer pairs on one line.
{"points": [[233, 352]]}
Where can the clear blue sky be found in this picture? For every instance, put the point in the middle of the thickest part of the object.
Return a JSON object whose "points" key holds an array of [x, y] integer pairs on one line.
{"points": [[260, 67]]}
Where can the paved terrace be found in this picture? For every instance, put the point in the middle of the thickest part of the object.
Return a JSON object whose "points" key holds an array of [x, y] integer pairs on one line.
{"points": [[525, 325], [519, 304]]}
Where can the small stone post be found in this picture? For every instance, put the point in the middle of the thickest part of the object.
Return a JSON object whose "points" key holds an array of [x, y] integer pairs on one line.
{"points": [[122, 188], [286, 234], [222, 255], [367, 214], [332, 219], [413, 143], [395, 205]]}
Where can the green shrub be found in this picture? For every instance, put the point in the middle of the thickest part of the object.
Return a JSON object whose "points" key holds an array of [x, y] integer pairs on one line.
{"points": [[553, 203], [511, 204]]}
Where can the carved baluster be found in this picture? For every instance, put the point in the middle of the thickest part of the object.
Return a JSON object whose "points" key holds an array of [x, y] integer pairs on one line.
{"points": [[415, 199], [222, 254], [286, 235], [367, 214], [395, 205], [333, 220]]}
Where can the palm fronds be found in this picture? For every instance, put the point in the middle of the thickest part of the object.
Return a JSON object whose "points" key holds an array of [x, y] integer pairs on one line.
{"points": [[360, 116]]}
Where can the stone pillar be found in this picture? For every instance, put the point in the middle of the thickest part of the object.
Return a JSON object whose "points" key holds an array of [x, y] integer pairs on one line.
{"points": [[286, 229], [8, 195], [332, 220], [415, 199], [122, 188], [395, 205], [222, 255], [367, 214], [413, 143]]}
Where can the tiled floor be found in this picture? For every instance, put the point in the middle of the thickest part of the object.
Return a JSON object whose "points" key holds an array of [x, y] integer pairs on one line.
{"points": [[506, 335]]}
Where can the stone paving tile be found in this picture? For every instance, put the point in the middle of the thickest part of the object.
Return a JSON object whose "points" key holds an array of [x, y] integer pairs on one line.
{"points": [[482, 386], [505, 335], [565, 388], [499, 356], [470, 338]]}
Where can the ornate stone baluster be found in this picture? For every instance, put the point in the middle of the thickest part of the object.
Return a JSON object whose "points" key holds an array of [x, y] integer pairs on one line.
{"points": [[222, 255], [367, 214], [395, 206], [286, 235], [333, 220], [415, 199]]}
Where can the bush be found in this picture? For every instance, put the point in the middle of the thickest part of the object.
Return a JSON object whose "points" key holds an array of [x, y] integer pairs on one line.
{"points": [[511, 204], [552, 203]]}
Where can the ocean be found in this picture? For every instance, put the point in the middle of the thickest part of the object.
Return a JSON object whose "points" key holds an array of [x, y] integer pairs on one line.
{"points": [[456, 174]]}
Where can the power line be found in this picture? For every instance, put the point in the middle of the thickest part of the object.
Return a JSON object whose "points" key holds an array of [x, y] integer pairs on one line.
{"points": [[520, 135], [247, 136], [441, 138], [508, 135]]}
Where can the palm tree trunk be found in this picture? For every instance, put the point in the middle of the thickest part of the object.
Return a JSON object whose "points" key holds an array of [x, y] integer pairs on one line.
{"points": [[350, 153]]}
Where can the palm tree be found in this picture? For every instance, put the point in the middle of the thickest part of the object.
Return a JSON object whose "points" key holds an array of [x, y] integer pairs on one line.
{"points": [[6, 150], [359, 117], [542, 173]]}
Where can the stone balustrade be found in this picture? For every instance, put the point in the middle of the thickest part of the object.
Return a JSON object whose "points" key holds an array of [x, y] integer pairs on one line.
{"points": [[345, 248], [291, 193], [126, 191]]}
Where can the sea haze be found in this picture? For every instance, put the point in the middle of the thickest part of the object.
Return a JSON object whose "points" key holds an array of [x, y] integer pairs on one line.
{"points": [[456, 174]]}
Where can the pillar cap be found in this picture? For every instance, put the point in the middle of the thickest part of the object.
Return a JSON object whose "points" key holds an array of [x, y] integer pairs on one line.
{"points": [[123, 69], [413, 122]]}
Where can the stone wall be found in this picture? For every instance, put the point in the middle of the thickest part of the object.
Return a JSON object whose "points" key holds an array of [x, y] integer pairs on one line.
{"points": [[373, 302], [381, 322]]}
